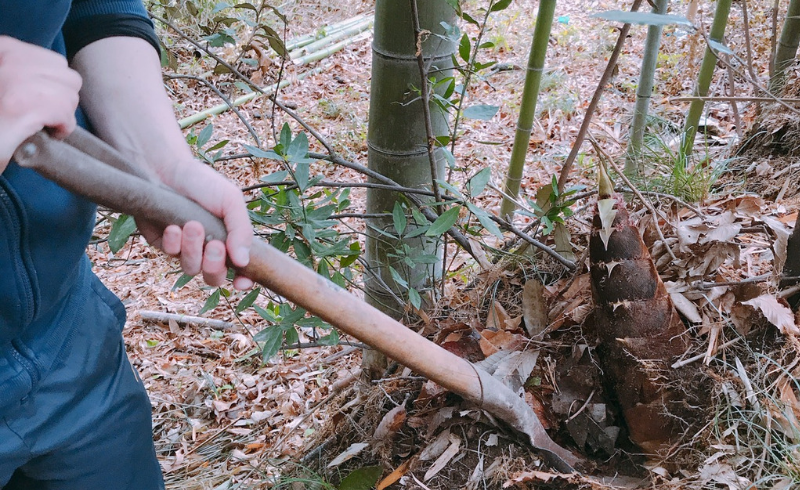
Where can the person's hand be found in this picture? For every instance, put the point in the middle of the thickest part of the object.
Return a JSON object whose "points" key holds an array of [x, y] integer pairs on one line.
{"points": [[224, 200], [37, 90]]}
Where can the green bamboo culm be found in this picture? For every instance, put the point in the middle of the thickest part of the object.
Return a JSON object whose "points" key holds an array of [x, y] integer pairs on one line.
{"points": [[633, 159], [704, 80], [787, 47], [396, 147], [530, 95]]}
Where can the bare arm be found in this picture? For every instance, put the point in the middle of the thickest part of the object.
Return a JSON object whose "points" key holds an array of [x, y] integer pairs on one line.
{"points": [[124, 98]]}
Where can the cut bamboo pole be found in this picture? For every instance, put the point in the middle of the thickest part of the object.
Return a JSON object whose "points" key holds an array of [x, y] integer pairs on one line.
{"points": [[330, 39], [79, 172], [219, 109], [333, 48], [328, 30]]}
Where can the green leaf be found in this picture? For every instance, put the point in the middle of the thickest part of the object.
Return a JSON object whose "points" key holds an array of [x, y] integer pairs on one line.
{"points": [[219, 145], [330, 339], [482, 112], [485, 220], [298, 149], [450, 187], [478, 182], [286, 136], [464, 47], [397, 277], [455, 5], [248, 300], [399, 218], [414, 298], [362, 478], [182, 281], [211, 302], [301, 171], [259, 153], [500, 5], [122, 229], [272, 337], [268, 315], [444, 222], [643, 18], [291, 336], [718, 46], [274, 177], [204, 136], [469, 19]]}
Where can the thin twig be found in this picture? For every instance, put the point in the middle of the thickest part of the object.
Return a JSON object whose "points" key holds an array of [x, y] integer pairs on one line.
{"points": [[327, 183], [748, 45], [159, 316], [734, 99], [598, 93], [224, 99], [692, 359], [426, 108], [536, 243], [311, 345], [749, 280]]}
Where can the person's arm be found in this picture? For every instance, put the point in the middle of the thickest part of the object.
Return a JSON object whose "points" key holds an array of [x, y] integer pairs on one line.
{"points": [[124, 98]]}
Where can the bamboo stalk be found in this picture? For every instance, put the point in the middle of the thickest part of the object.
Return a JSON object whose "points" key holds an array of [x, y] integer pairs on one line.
{"points": [[527, 111], [219, 109], [330, 39], [787, 46], [704, 80], [633, 162]]}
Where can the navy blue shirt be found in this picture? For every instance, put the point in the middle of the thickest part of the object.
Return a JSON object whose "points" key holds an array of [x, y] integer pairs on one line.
{"points": [[44, 229]]}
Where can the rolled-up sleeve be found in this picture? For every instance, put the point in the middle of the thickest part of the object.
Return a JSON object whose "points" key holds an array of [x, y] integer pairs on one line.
{"points": [[93, 20]]}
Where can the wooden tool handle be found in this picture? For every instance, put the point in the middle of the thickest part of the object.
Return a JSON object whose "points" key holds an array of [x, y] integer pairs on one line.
{"points": [[79, 172]]}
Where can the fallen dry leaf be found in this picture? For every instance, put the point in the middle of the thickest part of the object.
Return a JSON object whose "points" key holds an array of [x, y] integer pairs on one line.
{"points": [[775, 312], [446, 456], [534, 308]]}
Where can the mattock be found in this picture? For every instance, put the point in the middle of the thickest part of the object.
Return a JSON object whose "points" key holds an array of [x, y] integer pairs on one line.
{"points": [[87, 166]]}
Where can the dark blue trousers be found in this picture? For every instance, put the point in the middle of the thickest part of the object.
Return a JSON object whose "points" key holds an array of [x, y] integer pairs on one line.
{"points": [[85, 423]]}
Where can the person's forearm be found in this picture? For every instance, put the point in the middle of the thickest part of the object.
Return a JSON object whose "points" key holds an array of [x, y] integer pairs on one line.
{"points": [[124, 98]]}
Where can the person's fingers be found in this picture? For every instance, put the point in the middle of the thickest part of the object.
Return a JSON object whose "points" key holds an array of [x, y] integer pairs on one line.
{"points": [[242, 283], [192, 240], [171, 240], [214, 269], [240, 230]]}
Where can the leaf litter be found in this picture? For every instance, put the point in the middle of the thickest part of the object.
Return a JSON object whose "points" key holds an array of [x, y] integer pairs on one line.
{"points": [[223, 418]]}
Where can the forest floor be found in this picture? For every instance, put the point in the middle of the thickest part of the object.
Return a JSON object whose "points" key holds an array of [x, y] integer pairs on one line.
{"points": [[225, 420]]}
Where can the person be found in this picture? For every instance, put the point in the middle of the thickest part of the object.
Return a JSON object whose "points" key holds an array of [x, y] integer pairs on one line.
{"points": [[73, 412]]}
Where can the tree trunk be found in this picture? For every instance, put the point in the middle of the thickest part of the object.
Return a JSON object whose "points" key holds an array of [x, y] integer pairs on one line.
{"points": [[633, 159], [397, 146], [787, 46], [704, 80], [530, 94]]}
